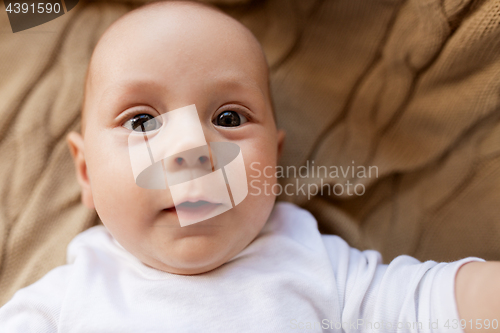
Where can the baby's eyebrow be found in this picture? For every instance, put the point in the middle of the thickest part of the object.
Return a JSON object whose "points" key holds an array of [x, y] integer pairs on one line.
{"points": [[125, 94], [131, 92], [129, 86], [230, 81]]}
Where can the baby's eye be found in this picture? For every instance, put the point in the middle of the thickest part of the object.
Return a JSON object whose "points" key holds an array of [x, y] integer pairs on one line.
{"points": [[142, 123], [230, 119]]}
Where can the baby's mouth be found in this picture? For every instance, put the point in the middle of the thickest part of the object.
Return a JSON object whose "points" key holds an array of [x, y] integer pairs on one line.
{"points": [[196, 204], [196, 209]]}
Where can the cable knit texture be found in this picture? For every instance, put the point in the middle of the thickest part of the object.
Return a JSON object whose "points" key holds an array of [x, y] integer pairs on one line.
{"points": [[411, 87]]}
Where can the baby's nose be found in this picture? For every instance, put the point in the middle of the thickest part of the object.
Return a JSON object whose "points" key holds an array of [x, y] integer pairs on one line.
{"points": [[189, 160], [187, 165]]}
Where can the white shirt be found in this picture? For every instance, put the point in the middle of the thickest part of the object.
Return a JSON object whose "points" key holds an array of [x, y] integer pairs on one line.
{"points": [[289, 279]]}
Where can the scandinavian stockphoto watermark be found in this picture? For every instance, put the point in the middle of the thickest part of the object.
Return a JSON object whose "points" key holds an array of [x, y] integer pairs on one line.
{"points": [[205, 179], [310, 179]]}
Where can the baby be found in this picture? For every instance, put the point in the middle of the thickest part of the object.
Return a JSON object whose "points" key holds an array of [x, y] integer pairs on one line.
{"points": [[164, 261]]}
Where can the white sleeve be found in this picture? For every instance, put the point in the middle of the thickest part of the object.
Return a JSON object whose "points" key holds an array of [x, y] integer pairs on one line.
{"points": [[404, 296], [36, 308]]}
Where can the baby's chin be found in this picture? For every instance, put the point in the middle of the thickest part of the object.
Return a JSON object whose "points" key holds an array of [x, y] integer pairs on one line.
{"points": [[191, 255]]}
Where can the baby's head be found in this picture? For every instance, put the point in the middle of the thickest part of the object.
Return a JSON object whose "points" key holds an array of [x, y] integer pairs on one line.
{"points": [[154, 60]]}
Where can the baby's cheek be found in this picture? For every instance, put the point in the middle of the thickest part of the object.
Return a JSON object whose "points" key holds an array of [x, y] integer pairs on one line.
{"points": [[261, 169], [116, 196]]}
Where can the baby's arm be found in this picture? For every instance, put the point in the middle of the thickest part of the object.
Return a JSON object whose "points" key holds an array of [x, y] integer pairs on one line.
{"points": [[404, 296], [477, 290]]}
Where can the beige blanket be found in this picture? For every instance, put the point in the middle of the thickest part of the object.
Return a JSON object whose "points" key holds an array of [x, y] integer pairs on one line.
{"points": [[409, 87]]}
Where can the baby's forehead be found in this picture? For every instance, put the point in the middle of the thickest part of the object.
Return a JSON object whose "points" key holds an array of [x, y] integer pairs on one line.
{"points": [[191, 33]]}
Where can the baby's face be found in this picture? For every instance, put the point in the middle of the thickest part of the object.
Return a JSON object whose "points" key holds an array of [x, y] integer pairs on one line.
{"points": [[154, 63]]}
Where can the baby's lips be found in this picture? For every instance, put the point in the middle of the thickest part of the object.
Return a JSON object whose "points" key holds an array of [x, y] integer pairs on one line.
{"points": [[191, 192], [202, 198], [211, 189]]}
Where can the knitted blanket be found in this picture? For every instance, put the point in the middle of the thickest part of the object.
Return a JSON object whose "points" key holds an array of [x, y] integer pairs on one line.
{"points": [[407, 90]]}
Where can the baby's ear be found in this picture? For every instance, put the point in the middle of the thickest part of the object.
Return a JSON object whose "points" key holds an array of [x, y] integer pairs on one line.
{"points": [[281, 140], [76, 147]]}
